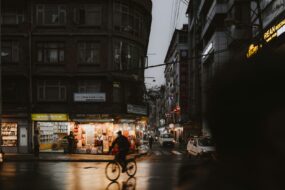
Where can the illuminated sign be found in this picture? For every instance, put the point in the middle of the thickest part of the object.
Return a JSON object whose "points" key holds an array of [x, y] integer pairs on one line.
{"points": [[49, 117], [274, 31], [252, 50], [271, 33]]}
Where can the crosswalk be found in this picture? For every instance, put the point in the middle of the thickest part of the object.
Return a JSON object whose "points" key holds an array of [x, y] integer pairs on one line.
{"points": [[167, 152]]}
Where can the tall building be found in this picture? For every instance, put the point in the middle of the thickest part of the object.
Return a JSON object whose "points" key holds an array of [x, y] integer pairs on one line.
{"points": [[72, 66], [208, 47], [176, 73]]}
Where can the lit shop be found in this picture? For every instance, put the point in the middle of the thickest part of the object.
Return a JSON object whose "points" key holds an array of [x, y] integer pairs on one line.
{"points": [[92, 136], [14, 133]]}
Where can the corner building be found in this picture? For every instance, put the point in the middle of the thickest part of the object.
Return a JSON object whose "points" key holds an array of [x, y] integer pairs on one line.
{"points": [[73, 66]]}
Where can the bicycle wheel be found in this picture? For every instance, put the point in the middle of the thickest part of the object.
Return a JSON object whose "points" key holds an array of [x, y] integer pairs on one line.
{"points": [[112, 171], [131, 168]]}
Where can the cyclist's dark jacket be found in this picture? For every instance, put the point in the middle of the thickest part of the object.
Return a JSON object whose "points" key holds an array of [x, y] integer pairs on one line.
{"points": [[122, 142]]}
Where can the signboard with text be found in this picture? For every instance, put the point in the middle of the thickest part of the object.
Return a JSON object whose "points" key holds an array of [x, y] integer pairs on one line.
{"points": [[90, 97]]}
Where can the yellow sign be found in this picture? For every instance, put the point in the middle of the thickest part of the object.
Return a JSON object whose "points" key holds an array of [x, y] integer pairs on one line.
{"points": [[252, 50], [49, 117], [272, 32]]}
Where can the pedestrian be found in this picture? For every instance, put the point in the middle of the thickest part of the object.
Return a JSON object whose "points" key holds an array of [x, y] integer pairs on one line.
{"points": [[36, 144], [71, 142], [150, 141]]}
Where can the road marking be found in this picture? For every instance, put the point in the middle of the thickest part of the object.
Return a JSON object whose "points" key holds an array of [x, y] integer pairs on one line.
{"points": [[176, 152]]}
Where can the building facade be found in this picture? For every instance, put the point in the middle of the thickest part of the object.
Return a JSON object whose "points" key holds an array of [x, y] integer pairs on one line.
{"points": [[176, 88], [72, 66]]}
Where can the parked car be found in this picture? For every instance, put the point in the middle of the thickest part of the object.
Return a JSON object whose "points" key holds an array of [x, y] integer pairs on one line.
{"points": [[201, 147], [166, 140]]}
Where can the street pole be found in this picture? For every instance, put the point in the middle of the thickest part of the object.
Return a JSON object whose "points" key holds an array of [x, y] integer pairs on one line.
{"points": [[1, 153]]}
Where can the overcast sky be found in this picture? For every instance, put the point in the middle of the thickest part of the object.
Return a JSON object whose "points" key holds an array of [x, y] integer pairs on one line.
{"points": [[163, 25]]}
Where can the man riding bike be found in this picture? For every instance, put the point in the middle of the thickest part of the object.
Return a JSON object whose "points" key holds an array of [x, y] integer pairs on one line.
{"points": [[124, 147]]}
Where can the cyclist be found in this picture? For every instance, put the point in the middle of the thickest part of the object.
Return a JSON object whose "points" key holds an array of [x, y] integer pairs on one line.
{"points": [[124, 147]]}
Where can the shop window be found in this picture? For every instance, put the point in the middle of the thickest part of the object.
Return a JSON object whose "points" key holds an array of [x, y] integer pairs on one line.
{"points": [[89, 87], [90, 15], [51, 15], [89, 53], [51, 91], [50, 52], [10, 52], [9, 133], [12, 18]]}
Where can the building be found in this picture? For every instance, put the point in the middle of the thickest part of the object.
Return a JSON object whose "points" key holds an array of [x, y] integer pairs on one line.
{"points": [[176, 73], [72, 66], [209, 49]]}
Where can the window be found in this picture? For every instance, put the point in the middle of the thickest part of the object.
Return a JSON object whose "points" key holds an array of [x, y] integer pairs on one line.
{"points": [[117, 95], [89, 15], [89, 53], [12, 18], [51, 91], [51, 15], [123, 19], [127, 56], [10, 52], [89, 86], [50, 52], [183, 38]]}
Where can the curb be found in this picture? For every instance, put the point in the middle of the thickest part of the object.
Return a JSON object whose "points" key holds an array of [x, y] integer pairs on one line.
{"points": [[31, 158]]}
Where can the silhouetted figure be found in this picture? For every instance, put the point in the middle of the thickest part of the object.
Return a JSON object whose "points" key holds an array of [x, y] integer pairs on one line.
{"points": [[245, 112], [71, 142], [124, 147], [36, 144]]}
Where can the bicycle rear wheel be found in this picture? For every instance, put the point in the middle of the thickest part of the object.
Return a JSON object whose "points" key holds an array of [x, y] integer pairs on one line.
{"points": [[112, 171], [131, 168]]}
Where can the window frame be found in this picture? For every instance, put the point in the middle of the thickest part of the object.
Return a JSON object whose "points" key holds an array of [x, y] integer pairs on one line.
{"points": [[61, 14], [43, 53], [42, 88]]}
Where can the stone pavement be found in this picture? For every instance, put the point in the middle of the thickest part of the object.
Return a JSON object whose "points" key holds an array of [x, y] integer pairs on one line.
{"points": [[61, 157]]}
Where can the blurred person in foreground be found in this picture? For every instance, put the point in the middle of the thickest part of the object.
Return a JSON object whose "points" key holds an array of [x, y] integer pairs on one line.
{"points": [[246, 116]]}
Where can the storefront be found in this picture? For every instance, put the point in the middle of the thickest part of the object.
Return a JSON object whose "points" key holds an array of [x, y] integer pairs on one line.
{"points": [[94, 134], [53, 129], [14, 131]]}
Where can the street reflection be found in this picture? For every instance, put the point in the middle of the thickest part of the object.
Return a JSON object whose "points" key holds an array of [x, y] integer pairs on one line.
{"points": [[130, 184]]}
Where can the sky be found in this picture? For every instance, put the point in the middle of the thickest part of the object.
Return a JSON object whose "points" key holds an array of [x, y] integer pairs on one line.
{"points": [[164, 20]]}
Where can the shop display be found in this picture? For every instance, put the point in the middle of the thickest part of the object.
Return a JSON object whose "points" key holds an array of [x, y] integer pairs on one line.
{"points": [[52, 135], [9, 134]]}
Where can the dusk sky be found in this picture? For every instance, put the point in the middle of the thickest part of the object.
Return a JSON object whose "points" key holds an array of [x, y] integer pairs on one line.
{"points": [[163, 24]]}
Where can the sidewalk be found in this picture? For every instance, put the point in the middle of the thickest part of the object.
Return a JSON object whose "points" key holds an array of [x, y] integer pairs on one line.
{"points": [[61, 157]]}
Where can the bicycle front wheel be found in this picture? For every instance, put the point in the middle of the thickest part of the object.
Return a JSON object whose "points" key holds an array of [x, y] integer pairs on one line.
{"points": [[131, 168], [112, 171]]}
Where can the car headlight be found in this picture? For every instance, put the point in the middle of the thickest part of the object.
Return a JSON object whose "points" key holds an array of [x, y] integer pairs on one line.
{"points": [[173, 141]]}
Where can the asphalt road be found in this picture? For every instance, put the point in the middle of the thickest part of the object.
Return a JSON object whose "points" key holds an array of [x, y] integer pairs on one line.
{"points": [[158, 170]]}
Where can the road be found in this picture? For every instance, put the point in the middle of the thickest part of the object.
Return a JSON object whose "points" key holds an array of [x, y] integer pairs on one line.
{"points": [[157, 170]]}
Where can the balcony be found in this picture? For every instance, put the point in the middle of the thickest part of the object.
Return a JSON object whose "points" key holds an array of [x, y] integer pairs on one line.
{"points": [[215, 10]]}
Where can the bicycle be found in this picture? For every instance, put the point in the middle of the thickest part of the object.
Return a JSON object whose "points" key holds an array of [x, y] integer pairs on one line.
{"points": [[113, 169]]}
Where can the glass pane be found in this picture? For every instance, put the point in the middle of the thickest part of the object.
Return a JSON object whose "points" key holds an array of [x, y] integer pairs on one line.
{"points": [[61, 55], [53, 56]]}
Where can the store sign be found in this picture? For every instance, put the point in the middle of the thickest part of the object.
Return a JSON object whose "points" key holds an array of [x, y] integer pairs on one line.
{"points": [[142, 110], [49, 117], [273, 32], [89, 97]]}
